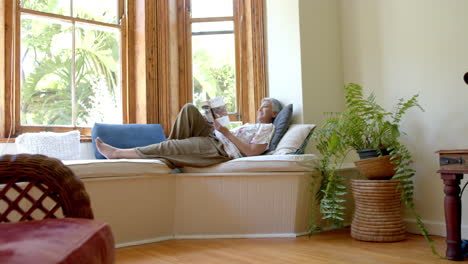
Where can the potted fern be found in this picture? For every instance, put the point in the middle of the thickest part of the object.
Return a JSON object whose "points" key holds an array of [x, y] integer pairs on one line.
{"points": [[364, 126]]}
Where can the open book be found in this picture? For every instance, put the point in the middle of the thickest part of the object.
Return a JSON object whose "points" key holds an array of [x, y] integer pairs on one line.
{"points": [[216, 109]]}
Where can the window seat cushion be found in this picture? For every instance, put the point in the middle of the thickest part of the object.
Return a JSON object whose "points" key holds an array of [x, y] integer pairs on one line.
{"points": [[117, 167], [146, 167], [263, 163]]}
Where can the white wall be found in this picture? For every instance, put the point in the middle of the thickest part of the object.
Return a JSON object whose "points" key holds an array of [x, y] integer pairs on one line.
{"points": [[399, 48], [284, 53], [322, 66], [304, 56]]}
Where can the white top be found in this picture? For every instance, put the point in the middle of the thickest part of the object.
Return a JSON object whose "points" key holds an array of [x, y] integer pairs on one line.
{"points": [[250, 134]]}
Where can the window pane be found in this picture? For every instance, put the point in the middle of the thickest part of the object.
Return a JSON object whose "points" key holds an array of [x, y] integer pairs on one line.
{"points": [[45, 72], [97, 10], [212, 8], [59, 7], [214, 70], [98, 75]]}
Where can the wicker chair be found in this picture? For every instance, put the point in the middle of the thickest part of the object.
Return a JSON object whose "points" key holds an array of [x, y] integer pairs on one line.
{"points": [[21, 173], [36, 192]]}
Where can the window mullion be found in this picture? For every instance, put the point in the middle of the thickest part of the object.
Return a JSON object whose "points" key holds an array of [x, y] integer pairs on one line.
{"points": [[69, 18], [16, 84], [211, 19], [241, 105], [219, 32], [73, 67], [73, 74]]}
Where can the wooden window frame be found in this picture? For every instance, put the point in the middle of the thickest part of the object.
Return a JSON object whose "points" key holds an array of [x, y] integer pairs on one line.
{"points": [[11, 126], [151, 81], [251, 81]]}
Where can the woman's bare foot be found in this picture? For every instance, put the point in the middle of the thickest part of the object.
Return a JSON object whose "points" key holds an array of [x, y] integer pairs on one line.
{"points": [[110, 152], [105, 149]]}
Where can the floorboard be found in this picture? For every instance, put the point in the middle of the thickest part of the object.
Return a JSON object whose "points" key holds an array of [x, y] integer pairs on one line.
{"points": [[328, 247]]}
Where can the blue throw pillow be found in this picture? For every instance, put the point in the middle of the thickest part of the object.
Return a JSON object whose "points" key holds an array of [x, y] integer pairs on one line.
{"points": [[281, 122], [127, 135]]}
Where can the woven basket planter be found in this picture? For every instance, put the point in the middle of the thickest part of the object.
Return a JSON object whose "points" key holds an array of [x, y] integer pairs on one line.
{"points": [[376, 168], [377, 214]]}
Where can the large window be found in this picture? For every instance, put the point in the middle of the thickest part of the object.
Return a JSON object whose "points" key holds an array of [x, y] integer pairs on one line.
{"points": [[219, 38], [71, 63], [214, 51], [67, 64]]}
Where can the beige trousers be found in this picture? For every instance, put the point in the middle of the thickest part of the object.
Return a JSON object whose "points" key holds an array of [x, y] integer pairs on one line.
{"points": [[191, 142]]}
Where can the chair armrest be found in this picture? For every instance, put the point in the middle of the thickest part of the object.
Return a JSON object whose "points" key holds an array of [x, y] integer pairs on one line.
{"points": [[21, 173]]}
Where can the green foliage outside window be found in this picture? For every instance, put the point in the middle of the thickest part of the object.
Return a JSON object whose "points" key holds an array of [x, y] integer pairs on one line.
{"points": [[47, 68], [212, 78]]}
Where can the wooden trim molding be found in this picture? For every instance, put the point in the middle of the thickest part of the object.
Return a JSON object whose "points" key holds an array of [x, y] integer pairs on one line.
{"points": [[2, 69], [211, 19], [8, 127], [184, 46], [245, 78], [241, 51], [131, 58], [163, 63], [174, 92], [152, 53], [68, 19], [259, 50], [125, 73], [151, 65]]}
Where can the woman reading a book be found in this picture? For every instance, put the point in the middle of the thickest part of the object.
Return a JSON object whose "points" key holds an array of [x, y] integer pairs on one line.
{"points": [[193, 141]]}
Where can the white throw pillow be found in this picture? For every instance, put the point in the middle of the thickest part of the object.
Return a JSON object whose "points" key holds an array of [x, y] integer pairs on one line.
{"points": [[64, 146], [293, 139]]}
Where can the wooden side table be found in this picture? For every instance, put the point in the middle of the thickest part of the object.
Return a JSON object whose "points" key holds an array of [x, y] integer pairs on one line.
{"points": [[452, 167]]}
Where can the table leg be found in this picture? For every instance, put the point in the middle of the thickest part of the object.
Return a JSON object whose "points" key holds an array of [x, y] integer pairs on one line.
{"points": [[452, 204]]}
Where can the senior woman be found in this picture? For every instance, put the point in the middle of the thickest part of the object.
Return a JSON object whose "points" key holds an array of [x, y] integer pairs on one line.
{"points": [[193, 143]]}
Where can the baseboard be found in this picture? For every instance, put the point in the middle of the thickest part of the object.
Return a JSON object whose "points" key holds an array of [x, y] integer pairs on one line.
{"points": [[433, 228], [218, 236], [145, 241], [277, 235]]}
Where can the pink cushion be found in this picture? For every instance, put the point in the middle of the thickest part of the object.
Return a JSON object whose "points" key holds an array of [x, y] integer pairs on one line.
{"points": [[68, 240]]}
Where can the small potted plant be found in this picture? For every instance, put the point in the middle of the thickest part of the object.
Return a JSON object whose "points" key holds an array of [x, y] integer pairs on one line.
{"points": [[366, 127]]}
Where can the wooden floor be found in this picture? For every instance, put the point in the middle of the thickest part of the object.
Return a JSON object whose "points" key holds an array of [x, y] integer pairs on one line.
{"points": [[328, 247]]}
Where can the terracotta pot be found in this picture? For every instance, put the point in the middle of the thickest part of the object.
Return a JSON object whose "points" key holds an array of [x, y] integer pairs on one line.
{"points": [[377, 215], [376, 168]]}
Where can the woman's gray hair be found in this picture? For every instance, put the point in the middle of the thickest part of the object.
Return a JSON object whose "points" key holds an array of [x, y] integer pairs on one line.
{"points": [[275, 104]]}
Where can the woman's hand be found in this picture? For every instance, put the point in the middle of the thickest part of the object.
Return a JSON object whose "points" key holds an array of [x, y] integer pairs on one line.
{"points": [[222, 129], [245, 148]]}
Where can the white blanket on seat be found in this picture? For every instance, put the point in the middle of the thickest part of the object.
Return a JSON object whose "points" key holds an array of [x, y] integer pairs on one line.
{"points": [[65, 146]]}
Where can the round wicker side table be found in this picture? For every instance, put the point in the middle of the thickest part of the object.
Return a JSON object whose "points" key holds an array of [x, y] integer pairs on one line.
{"points": [[377, 213]]}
